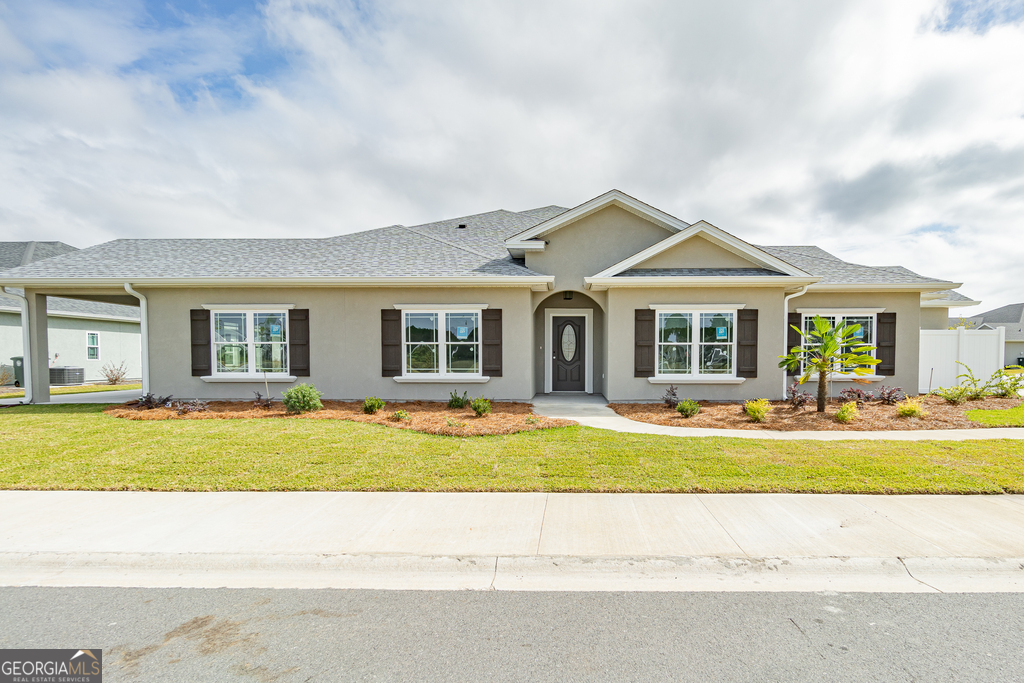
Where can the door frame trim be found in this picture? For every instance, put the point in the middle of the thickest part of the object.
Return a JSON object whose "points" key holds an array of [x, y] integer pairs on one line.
{"points": [[588, 344]]}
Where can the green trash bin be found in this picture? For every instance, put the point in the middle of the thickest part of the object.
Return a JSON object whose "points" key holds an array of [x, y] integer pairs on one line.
{"points": [[19, 370]]}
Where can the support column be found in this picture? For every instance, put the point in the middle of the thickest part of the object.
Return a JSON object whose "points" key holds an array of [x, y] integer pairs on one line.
{"points": [[39, 347]]}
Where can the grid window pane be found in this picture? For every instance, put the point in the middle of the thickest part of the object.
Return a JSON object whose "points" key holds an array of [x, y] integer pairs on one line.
{"points": [[421, 358], [421, 327], [271, 357], [269, 327], [232, 358], [462, 327], [715, 359], [463, 358], [229, 327], [716, 328], [674, 359], [674, 328], [94, 339], [94, 352]]}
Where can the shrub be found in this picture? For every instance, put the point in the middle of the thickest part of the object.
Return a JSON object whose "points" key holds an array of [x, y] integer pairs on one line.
{"points": [[114, 374], [1005, 385], [457, 402], [910, 407], [975, 388], [400, 416], [371, 404], [303, 399], [481, 406], [688, 407], [454, 423], [858, 396], [890, 396], [797, 398], [758, 409], [955, 395], [151, 401], [193, 406], [532, 419], [847, 412], [670, 398]]}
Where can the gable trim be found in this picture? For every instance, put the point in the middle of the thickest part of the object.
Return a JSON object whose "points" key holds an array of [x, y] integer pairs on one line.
{"points": [[529, 240], [716, 236]]}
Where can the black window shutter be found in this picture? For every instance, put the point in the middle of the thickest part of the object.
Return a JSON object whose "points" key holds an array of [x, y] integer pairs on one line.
{"points": [[793, 337], [298, 341], [643, 336], [746, 343], [491, 342], [390, 342], [886, 346], [201, 352]]}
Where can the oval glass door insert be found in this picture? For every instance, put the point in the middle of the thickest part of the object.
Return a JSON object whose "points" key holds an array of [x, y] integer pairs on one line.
{"points": [[568, 343]]}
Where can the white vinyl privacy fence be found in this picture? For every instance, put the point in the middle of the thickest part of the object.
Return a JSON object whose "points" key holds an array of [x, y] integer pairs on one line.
{"points": [[980, 350]]}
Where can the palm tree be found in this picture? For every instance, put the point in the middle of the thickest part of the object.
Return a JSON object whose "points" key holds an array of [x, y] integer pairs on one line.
{"points": [[827, 351]]}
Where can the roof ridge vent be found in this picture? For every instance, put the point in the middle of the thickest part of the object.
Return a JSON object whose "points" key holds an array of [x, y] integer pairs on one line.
{"points": [[462, 226]]}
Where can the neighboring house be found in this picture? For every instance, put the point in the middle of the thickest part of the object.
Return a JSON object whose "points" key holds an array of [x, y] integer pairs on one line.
{"points": [[85, 334], [612, 297], [1011, 319]]}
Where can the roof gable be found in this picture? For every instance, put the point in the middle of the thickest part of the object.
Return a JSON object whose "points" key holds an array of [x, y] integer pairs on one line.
{"points": [[747, 253]]}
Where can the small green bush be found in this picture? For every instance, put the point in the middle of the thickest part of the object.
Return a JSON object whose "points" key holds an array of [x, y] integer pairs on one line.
{"points": [[955, 395], [758, 409], [688, 407], [481, 406], [910, 407], [1006, 385], [303, 398], [371, 404], [457, 402], [454, 423], [400, 416], [847, 412]]}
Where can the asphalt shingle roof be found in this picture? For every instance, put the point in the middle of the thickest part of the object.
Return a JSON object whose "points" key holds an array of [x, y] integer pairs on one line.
{"points": [[1010, 317], [950, 295], [833, 270], [14, 254]]}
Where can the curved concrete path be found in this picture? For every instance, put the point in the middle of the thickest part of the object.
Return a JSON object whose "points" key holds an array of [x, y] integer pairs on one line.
{"points": [[593, 411]]}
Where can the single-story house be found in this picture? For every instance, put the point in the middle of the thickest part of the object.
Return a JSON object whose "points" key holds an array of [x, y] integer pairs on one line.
{"points": [[1011, 319], [612, 297], [82, 334]]}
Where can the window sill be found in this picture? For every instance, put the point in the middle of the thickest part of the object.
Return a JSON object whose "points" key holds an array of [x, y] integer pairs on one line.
{"points": [[441, 380], [697, 380], [248, 378], [852, 378]]}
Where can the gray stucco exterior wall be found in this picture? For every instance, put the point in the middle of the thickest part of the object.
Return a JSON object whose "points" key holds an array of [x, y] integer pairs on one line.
{"points": [[345, 340], [934, 318]]}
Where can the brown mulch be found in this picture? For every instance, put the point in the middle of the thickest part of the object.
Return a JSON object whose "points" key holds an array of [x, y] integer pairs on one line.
{"points": [[431, 417], [873, 416]]}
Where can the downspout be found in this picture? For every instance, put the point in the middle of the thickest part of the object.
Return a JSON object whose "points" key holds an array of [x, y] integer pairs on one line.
{"points": [[785, 332], [144, 324], [25, 343]]}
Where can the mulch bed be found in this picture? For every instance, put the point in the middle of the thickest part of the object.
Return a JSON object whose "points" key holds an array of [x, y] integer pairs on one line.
{"points": [[431, 417], [873, 416]]}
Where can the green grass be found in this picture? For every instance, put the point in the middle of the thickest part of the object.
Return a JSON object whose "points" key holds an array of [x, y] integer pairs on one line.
{"points": [[85, 389], [78, 447], [1009, 417]]}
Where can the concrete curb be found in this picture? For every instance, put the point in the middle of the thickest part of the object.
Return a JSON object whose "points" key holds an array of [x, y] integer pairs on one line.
{"points": [[513, 573]]}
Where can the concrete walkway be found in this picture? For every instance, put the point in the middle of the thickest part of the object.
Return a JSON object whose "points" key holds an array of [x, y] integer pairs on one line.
{"points": [[593, 411], [90, 397], [514, 541]]}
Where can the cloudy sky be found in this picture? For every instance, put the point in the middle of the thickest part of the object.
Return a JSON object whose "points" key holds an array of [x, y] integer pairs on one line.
{"points": [[886, 132]]}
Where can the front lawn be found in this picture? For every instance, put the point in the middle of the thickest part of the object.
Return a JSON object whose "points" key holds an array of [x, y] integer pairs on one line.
{"points": [[82, 389], [1014, 417], [79, 447]]}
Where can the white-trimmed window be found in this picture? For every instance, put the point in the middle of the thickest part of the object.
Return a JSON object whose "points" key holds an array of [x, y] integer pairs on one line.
{"points": [[250, 342], [865, 335], [92, 345], [696, 343], [441, 343]]}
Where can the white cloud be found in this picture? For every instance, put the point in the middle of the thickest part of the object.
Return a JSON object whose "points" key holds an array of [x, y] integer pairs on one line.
{"points": [[845, 124]]}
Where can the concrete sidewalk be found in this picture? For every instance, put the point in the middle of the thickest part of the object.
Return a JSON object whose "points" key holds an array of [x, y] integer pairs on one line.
{"points": [[515, 541], [593, 411], [89, 397]]}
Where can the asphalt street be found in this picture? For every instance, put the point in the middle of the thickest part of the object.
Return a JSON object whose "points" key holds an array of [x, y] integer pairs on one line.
{"points": [[361, 635]]}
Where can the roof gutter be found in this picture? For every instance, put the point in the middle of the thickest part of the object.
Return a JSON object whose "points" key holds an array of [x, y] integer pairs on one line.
{"points": [[26, 347], [785, 332], [144, 325]]}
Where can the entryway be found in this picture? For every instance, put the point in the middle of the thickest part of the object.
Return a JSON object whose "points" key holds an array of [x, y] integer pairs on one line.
{"points": [[569, 349]]}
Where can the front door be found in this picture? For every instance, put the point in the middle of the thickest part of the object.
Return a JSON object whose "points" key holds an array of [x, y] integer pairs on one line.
{"points": [[567, 355]]}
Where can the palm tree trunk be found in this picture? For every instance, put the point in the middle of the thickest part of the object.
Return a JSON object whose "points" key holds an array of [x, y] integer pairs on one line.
{"points": [[822, 391]]}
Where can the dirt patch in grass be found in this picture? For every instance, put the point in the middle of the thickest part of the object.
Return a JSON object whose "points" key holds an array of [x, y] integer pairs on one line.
{"points": [[430, 417], [873, 416]]}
